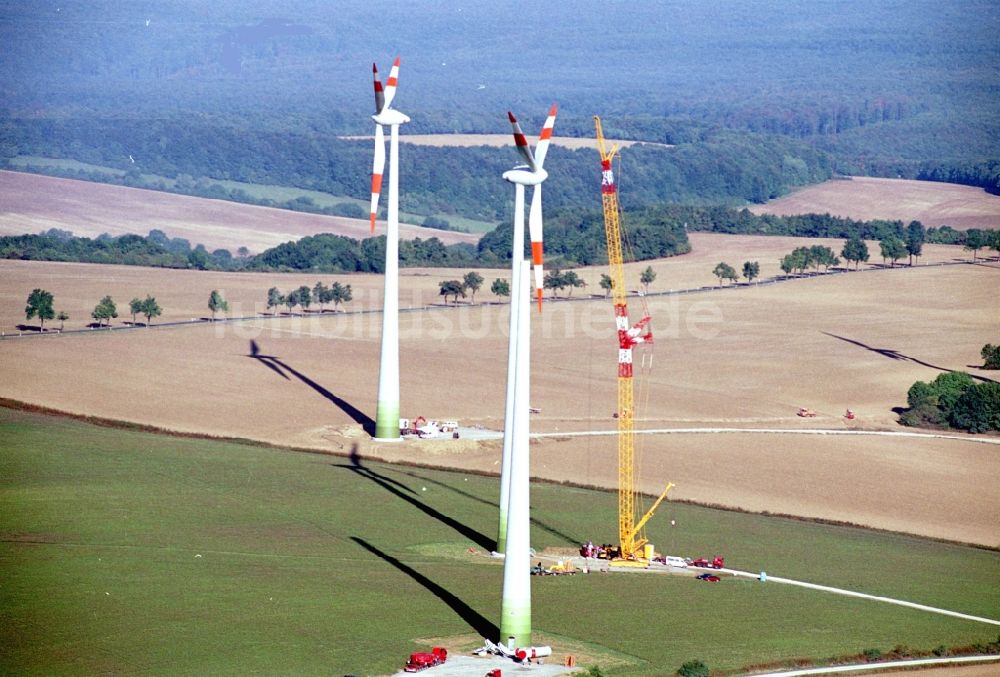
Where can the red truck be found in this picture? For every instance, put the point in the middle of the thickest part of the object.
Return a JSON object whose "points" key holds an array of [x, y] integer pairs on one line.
{"points": [[422, 660], [716, 563]]}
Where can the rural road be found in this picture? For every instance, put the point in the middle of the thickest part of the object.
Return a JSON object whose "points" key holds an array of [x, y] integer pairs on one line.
{"points": [[778, 431], [862, 595], [928, 662]]}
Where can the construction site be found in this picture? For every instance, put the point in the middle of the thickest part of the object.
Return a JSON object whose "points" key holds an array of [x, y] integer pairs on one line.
{"points": [[522, 488]]}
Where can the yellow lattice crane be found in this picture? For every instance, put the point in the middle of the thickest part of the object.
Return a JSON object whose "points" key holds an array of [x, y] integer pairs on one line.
{"points": [[630, 525]]}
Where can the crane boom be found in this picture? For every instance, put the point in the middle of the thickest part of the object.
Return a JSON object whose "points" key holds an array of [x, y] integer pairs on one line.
{"points": [[631, 542]]}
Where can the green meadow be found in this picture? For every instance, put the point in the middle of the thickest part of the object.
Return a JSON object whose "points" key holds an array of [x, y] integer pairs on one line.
{"points": [[131, 552]]}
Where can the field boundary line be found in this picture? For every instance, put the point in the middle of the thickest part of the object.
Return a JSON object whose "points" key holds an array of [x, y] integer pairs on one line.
{"points": [[879, 666], [864, 595], [772, 431]]}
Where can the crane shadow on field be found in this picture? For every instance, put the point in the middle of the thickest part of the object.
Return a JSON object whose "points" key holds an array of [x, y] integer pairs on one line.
{"points": [[896, 355], [398, 490], [570, 539], [279, 367], [475, 619]]}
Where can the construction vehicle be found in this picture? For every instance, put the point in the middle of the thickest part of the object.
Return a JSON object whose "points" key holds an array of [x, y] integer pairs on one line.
{"points": [[422, 660], [560, 568], [717, 562], [807, 413], [632, 549]]}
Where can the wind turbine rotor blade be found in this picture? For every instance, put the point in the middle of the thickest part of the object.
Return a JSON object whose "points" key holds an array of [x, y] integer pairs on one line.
{"points": [[535, 233], [521, 142], [379, 94], [378, 166], [542, 149], [390, 84]]}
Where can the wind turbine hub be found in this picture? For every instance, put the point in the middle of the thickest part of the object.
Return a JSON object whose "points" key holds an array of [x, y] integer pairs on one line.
{"points": [[390, 116], [525, 177]]}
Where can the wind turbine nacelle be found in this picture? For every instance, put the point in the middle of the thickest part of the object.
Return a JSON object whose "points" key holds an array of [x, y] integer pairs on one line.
{"points": [[524, 176], [390, 117]]}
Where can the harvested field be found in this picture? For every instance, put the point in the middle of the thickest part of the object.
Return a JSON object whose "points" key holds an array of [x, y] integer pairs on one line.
{"points": [[746, 358], [930, 202], [183, 294], [500, 140], [31, 203]]}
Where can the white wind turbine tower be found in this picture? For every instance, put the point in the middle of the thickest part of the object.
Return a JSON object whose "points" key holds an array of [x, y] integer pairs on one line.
{"points": [[387, 410], [514, 529]]}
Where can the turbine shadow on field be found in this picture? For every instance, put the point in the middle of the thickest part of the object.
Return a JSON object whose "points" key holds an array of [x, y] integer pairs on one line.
{"points": [[479, 499], [475, 619], [276, 365], [393, 487], [896, 355]]}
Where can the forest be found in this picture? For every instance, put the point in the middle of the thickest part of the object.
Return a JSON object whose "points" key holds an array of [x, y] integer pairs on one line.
{"points": [[722, 167], [757, 98], [573, 237]]}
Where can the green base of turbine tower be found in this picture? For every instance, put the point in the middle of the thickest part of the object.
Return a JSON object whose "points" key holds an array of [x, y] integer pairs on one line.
{"points": [[387, 421]]}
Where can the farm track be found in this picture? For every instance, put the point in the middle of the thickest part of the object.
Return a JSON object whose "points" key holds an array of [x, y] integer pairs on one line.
{"points": [[863, 595], [908, 665], [774, 431]]}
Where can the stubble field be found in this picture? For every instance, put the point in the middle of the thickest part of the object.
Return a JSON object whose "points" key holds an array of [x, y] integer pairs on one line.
{"points": [[183, 294], [31, 203], [865, 198], [741, 358]]}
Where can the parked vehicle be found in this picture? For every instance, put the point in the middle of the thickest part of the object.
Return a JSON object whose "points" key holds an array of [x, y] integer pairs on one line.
{"points": [[717, 563], [422, 660], [711, 578]]}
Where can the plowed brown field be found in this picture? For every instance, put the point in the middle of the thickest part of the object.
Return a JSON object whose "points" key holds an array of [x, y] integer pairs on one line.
{"points": [[31, 203], [865, 198], [742, 358]]}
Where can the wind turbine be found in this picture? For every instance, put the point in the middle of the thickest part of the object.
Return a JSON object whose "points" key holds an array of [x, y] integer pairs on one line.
{"points": [[531, 174], [514, 528], [387, 411]]}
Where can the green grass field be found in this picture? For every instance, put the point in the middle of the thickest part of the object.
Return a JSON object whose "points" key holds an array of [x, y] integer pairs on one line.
{"points": [[128, 552]]}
